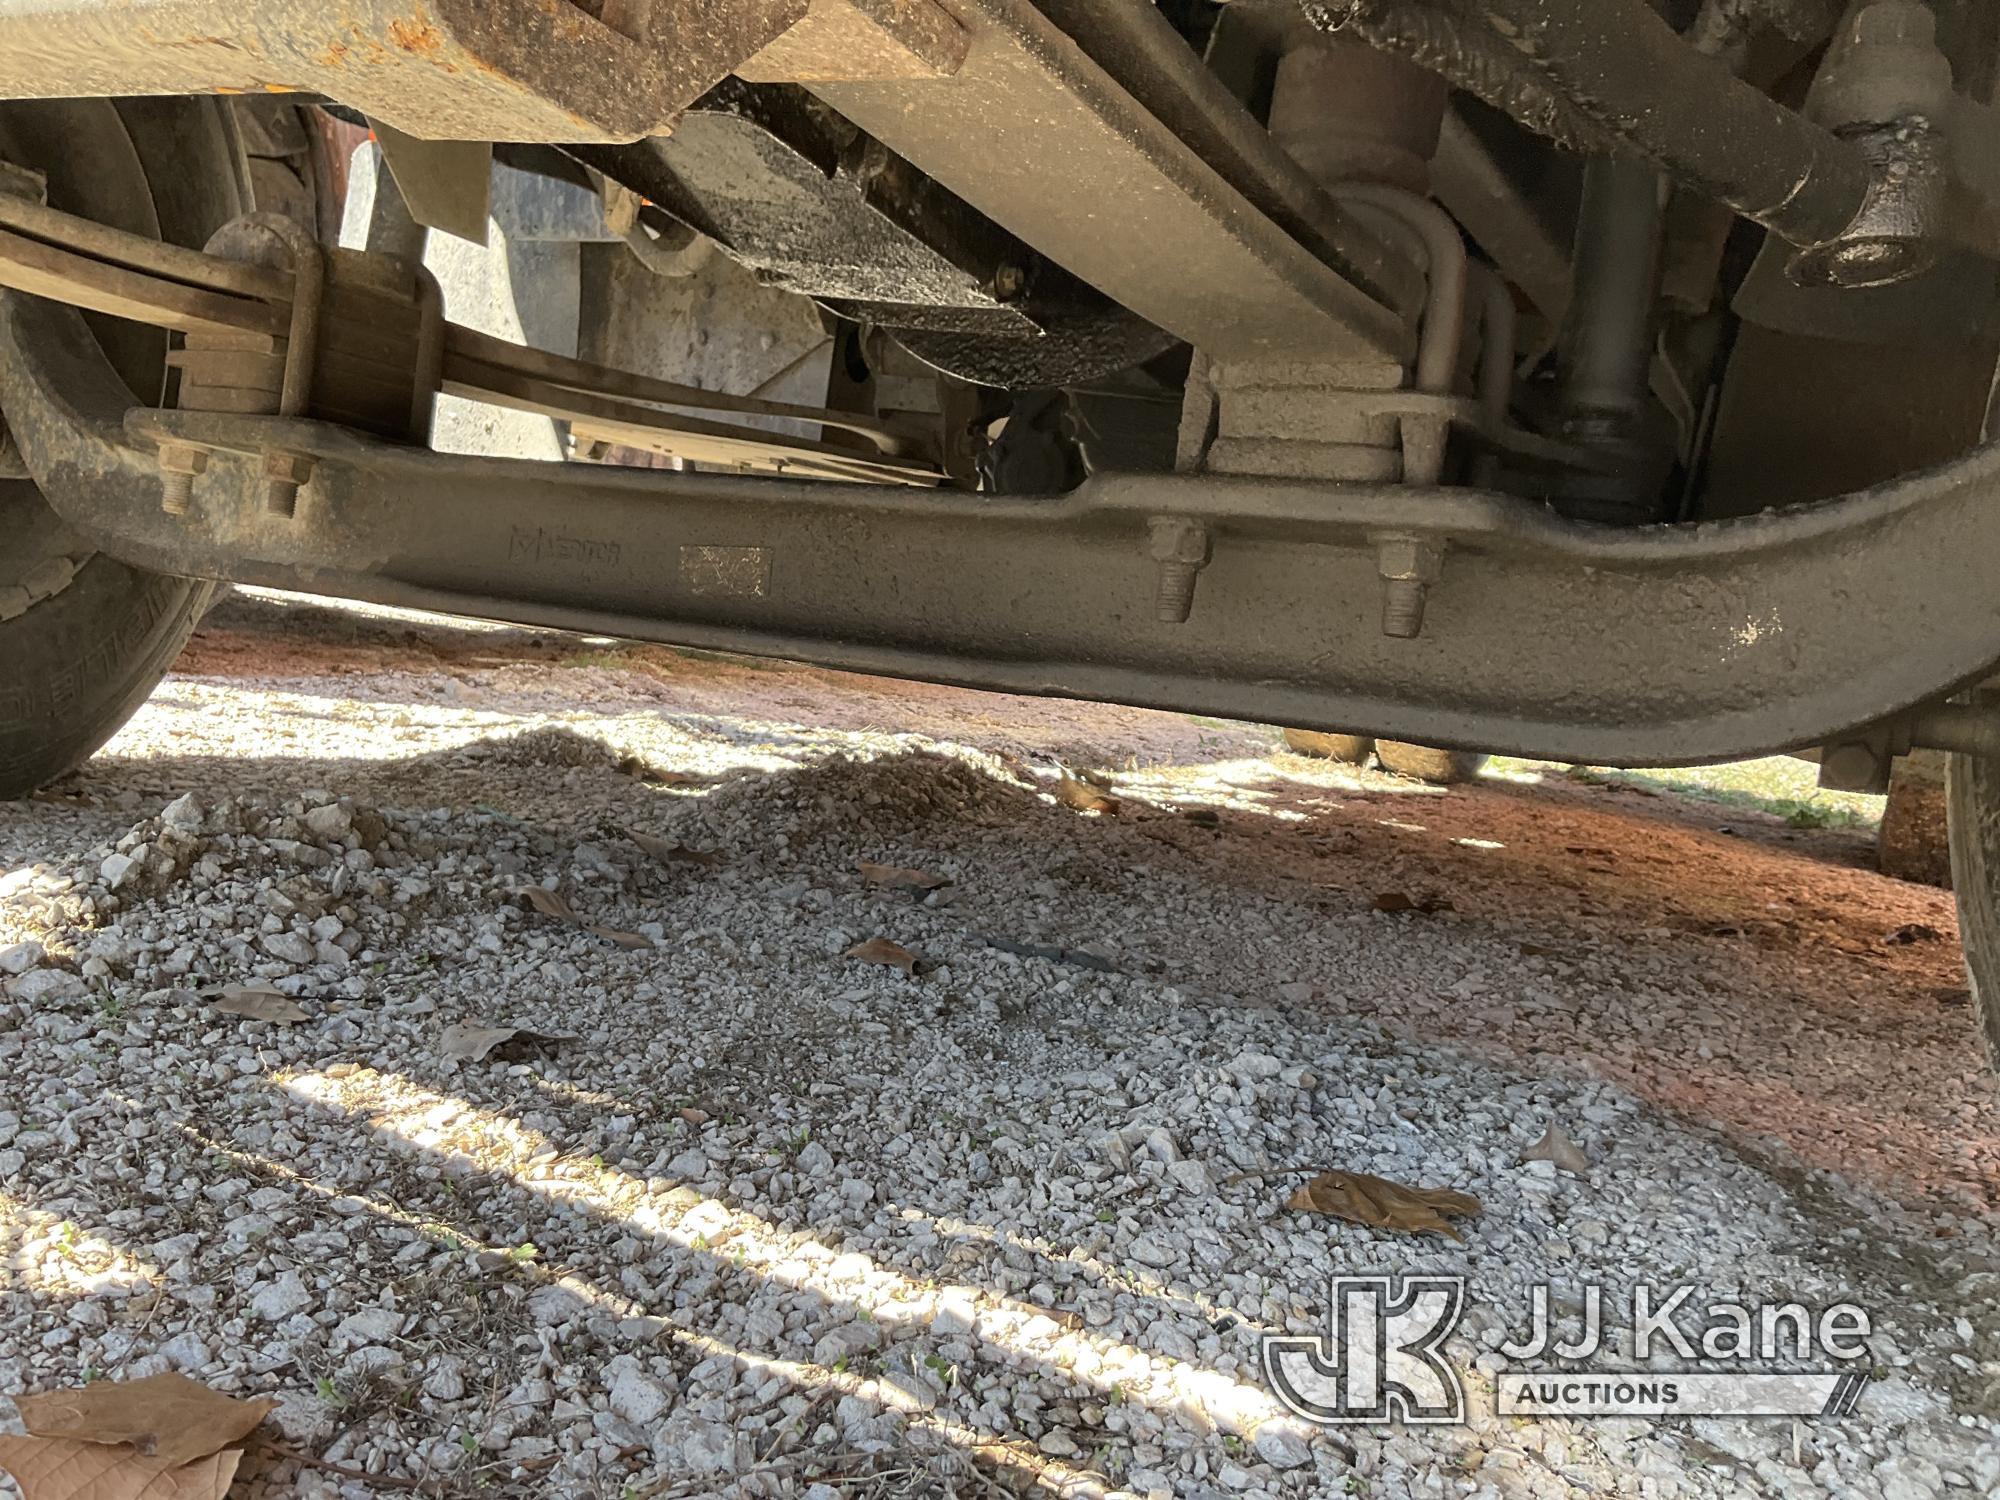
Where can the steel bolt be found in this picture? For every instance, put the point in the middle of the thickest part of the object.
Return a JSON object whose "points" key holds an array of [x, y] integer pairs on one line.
{"points": [[1173, 596], [1408, 568], [1180, 550], [179, 464], [285, 473], [1403, 601]]}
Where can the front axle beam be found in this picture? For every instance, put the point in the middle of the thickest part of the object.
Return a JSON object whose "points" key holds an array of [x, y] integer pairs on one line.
{"points": [[1545, 637]]}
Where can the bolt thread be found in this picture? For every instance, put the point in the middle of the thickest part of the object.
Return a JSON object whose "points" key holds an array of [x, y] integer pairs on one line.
{"points": [[176, 492], [1173, 594], [1402, 608]]}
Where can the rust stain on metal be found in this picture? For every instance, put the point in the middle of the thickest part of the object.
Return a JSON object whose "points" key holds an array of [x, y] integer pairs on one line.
{"points": [[416, 34]]}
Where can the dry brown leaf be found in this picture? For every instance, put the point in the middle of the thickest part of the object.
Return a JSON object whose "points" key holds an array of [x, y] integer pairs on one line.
{"points": [[617, 935], [1556, 1147], [1393, 901], [696, 1117], [256, 1002], [169, 1418], [1015, 766], [68, 1469], [879, 950], [1084, 797], [646, 771], [667, 849], [551, 904], [901, 878], [1381, 1204], [476, 1043]]}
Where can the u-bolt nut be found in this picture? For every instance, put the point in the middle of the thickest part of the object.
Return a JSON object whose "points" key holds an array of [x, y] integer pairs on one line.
{"points": [[285, 474], [180, 464]]}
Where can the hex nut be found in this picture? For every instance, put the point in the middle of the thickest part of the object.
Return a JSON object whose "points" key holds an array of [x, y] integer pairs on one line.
{"points": [[1407, 558], [1169, 539], [183, 458], [293, 468]]}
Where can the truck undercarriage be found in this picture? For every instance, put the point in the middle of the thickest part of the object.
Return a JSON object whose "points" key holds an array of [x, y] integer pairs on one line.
{"points": [[1590, 379]]}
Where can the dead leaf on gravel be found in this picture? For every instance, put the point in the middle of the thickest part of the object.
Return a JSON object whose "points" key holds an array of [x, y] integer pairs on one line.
{"points": [[615, 935], [547, 902], [477, 1043], [1394, 901], [1381, 1204], [1015, 766], [1084, 797], [695, 1117], [1556, 1147], [551, 904], [879, 950], [900, 877], [644, 770], [167, 1418], [668, 849], [66, 1469], [1912, 932], [256, 1002]]}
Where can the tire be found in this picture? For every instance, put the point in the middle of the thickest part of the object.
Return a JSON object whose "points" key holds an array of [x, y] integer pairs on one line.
{"points": [[1349, 749], [1421, 763], [84, 638], [1972, 829]]}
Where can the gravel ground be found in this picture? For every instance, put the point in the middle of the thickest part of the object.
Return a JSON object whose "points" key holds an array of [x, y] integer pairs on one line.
{"points": [[757, 1217]]}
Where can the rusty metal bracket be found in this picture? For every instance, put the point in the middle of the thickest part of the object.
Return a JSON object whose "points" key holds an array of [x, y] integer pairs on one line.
{"points": [[1165, 234], [476, 70], [470, 70], [446, 185]]}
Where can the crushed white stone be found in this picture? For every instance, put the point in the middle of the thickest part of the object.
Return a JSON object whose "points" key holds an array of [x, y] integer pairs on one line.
{"points": [[779, 1223]]}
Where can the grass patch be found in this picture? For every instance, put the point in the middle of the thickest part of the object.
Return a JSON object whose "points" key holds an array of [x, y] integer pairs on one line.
{"points": [[1776, 784]]}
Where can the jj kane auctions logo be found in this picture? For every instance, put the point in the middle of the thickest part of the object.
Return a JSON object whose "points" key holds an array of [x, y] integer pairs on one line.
{"points": [[1382, 1357]]}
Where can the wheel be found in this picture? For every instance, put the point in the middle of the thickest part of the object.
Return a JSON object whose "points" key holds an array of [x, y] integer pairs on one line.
{"points": [[84, 638], [1421, 763], [1972, 829], [1349, 748]]}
